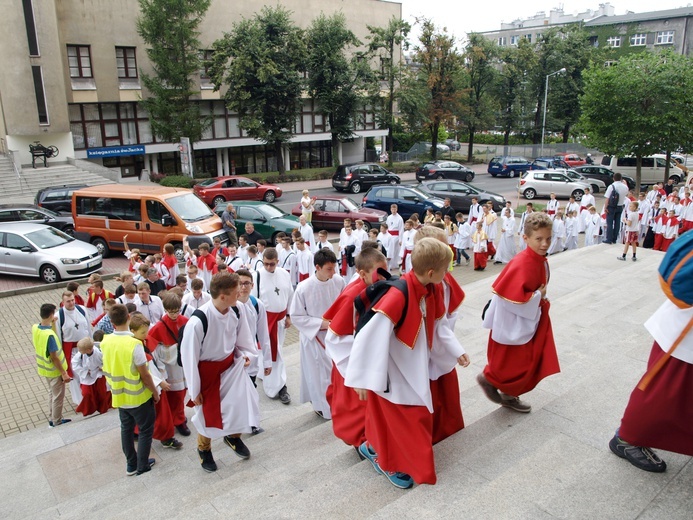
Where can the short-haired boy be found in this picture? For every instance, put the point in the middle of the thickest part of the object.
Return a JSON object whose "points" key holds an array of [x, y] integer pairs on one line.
{"points": [[87, 365]]}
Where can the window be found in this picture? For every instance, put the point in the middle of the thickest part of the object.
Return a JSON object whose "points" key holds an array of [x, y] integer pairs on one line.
{"points": [[249, 214], [206, 56], [31, 215], [156, 210], [31, 35], [407, 195], [40, 93], [501, 41], [528, 37], [15, 241], [121, 209], [638, 40], [613, 41], [514, 40], [79, 61], [386, 193], [126, 63], [664, 37], [8, 216], [333, 206]]}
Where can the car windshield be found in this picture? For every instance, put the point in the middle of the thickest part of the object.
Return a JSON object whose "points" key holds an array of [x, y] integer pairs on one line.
{"points": [[48, 238], [420, 193], [189, 207], [350, 204], [271, 211], [208, 182]]}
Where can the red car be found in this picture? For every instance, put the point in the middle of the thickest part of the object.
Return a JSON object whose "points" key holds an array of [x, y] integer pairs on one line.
{"points": [[217, 190], [572, 159], [331, 210]]}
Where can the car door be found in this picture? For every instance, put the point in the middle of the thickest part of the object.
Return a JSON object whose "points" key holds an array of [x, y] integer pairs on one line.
{"points": [[248, 190], [408, 202], [461, 197], [154, 232], [17, 261], [335, 213], [250, 214], [455, 171], [378, 174], [561, 184], [35, 217], [319, 217]]}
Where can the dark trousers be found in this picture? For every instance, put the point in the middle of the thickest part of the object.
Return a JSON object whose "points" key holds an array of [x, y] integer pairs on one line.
{"points": [[143, 416], [233, 240], [613, 223]]}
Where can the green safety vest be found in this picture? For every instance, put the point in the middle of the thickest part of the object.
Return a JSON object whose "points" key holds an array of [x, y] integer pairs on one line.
{"points": [[44, 363], [126, 384]]}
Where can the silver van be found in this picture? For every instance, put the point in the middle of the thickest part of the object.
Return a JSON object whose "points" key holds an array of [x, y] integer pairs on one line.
{"points": [[652, 168]]}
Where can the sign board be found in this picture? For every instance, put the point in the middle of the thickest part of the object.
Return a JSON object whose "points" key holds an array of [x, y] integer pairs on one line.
{"points": [[115, 151], [185, 150]]}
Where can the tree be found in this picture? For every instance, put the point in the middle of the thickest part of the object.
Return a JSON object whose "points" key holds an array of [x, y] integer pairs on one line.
{"points": [[638, 106], [384, 43], [169, 28], [262, 61], [335, 79]]}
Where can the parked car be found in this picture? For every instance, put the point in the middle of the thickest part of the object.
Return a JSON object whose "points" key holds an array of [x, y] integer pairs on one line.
{"points": [[354, 177], [508, 166], [31, 213], [544, 182], [422, 148], [596, 185], [453, 144], [216, 190], [652, 168], [331, 210], [572, 159], [409, 199], [57, 198], [29, 249], [548, 163], [461, 194], [603, 174], [444, 170], [267, 218]]}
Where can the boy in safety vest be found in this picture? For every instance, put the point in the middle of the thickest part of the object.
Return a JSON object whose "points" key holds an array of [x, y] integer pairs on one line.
{"points": [[51, 363], [132, 389]]}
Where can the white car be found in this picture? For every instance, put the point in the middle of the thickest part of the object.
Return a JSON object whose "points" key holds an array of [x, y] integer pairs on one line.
{"points": [[534, 183], [38, 250]]}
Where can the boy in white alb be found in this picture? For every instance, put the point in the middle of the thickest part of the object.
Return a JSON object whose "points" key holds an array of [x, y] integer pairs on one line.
{"points": [[194, 299], [349, 247], [257, 321], [552, 206], [632, 227], [87, 363], [586, 201], [407, 244], [234, 261], [306, 231], [360, 233], [254, 259], [304, 260], [475, 213], [243, 249], [312, 298], [528, 211], [287, 260], [395, 226], [571, 231], [323, 242], [558, 235], [571, 206], [273, 286], [387, 241], [463, 239], [506, 245]]}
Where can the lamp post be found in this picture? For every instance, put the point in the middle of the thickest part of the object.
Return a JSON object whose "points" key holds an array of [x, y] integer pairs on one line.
{"points": [[546, 95]]}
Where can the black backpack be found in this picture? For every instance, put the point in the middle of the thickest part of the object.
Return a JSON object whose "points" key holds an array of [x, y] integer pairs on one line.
{"points": [[613, 198], [203, 318], [364, 302]]}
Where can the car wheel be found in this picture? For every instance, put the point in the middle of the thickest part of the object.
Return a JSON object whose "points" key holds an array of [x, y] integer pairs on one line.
{"points": [[49, 274], [179, 252], [269, 196], [578, 194], [440, 176], [595, 188], [511, 174], [493, 175], [469, 177], [675, 178], [218, 200], [366, 226], [69, 230], [529, 193], [102, 246], [355, 187], [393, 181]]}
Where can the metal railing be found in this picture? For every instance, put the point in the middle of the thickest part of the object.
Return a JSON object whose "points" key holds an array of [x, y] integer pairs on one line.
{"points": [[17, 170]]}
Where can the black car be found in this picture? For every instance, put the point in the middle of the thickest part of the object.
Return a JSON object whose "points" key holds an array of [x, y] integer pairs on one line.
{"points": [[35, 215], [603, 174], [57, 198], [461, 194], [354, 177], [444, 170]]}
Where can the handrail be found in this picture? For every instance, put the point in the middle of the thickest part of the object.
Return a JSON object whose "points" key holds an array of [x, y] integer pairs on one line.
{"points": [[17, 171]]}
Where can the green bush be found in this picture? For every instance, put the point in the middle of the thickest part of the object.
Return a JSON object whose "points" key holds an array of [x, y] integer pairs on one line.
{"points": [[177, 181]]}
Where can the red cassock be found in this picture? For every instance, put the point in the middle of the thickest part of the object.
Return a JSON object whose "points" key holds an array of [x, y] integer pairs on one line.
{"points": [[661, 415], [348, 411], [163, 423], [95, 398], [517, 369]]}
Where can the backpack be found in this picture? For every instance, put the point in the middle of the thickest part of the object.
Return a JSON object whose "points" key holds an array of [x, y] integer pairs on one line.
{"points": [[254, 302], [613, 198], [364, 302], [203, 318]]}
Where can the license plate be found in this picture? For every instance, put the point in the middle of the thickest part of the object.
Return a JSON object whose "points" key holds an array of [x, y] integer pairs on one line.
{"points": [[93, 263]]}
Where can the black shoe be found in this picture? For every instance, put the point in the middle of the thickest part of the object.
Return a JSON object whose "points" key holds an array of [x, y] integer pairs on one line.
{"points": [[172, 443], [238, 447], [150, 463], [257, 430], [58, 423], [207, 461], [490, 390], [638, 456], [183, 429], [284, 396]]}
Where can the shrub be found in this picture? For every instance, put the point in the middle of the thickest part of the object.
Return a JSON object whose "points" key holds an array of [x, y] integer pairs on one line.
{"points": [[156, 177], [177, 181]]}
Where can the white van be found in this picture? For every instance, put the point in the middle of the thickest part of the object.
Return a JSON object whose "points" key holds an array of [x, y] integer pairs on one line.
{"points": [[652, 168]]}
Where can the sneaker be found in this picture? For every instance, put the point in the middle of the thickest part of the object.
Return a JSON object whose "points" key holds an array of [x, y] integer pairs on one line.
{"points": [[238, 447], [358, 452], [131, 472], [399, 480], [490, 390], [622, 258], [635, 259], [640, 457], [150, 463], [514, 403], [284, 396], [183, 429], [172, 443], [257, 430], [207, 461], [58, 423], [466, 262], [367, 453]]}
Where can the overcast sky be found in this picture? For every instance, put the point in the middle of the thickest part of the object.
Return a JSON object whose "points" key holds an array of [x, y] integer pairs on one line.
{"points": [[463, 16]]}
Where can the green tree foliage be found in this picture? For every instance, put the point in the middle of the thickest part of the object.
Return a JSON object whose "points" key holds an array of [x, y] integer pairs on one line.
{"points": [[262, 61], [384, 46], [639, 106], [337, 75], [169, 28]]}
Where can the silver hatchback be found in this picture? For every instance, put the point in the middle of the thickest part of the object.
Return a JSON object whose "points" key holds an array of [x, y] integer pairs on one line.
{"points": [[536, 183], [43, 251]]}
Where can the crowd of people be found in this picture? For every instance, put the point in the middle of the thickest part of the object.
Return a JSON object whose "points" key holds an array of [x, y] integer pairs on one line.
{"points": [[378, 354]]}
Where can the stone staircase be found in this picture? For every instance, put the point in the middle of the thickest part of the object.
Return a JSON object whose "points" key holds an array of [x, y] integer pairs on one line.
{"points": [[552, 463], [23, 190]]}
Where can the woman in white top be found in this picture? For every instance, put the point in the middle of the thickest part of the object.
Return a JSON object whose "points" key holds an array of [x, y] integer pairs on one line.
{"points": [[307, 205]]}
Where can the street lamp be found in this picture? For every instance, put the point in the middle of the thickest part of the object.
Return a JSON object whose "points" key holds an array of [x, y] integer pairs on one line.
{"points": [[546, 95]]}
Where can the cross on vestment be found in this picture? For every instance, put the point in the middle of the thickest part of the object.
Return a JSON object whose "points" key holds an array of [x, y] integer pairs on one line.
{"points": [[276, 290]]}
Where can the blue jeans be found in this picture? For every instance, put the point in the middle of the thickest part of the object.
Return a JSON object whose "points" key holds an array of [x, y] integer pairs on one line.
{"points": [[461, 253], [613, 223]]}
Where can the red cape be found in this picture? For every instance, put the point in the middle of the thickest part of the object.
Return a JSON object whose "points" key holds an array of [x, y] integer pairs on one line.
{"points": [[523, 275], [341, 312]]}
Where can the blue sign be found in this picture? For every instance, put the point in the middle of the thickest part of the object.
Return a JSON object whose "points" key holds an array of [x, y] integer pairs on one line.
{"points": [[115, 151]]}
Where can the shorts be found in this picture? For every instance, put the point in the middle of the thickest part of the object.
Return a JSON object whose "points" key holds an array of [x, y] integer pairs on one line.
{"points": [[631, 236]]}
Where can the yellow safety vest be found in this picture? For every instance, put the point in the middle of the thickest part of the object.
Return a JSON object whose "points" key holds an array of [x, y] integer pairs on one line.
{"points": [[126, 384], [44, 363]]}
